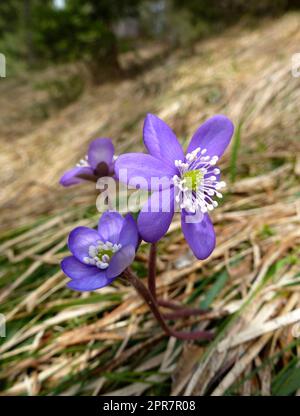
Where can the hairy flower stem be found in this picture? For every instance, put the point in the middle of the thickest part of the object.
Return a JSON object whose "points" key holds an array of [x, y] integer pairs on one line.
{"points": [[151, 302], [152, 270], [182, 311]]}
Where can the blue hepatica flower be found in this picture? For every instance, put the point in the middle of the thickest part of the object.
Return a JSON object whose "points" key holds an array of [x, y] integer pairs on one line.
{"points": [[193, 180], [100, 256], [98, 162]]}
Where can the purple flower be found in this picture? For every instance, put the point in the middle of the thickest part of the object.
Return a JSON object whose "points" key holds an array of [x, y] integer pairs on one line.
{"points": [[100, 256], [97, 163], [193, 180]]}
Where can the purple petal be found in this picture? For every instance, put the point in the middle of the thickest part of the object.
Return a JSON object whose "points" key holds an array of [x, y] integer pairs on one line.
{"points": [[156, 215], [74, 269], [199, 235], [85, 277], [137, 169], [160, 140], [129, 232], [69, 178], [100, 150], [120, 261], [109, 226], [88, 284], [80, 239], [213, 135]]}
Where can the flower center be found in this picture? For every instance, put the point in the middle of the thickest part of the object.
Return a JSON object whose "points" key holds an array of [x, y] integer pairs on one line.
{"points": [[100, 254], [196, 185], [193, 179]]}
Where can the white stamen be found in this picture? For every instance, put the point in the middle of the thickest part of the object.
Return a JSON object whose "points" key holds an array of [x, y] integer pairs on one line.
{"points": [[102, 265], [97, 257], [105, 258], [200, 199], [83, 162], [92, 251]]}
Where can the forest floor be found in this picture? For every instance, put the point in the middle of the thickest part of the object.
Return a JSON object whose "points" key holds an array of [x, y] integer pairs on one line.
{"points": [[106, 342]]}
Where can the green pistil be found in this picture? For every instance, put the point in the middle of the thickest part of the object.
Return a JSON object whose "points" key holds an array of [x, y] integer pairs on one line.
{"points": [[103, 252], [193, 179]]}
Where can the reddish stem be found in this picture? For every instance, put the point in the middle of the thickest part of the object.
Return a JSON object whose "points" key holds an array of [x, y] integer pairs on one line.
{"points": [[152, 270], [151, 302], [182, 310], [182, 314]]}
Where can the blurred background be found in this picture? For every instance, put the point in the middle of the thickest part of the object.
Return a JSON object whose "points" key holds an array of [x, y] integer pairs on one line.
{"points": [[81, 69]]}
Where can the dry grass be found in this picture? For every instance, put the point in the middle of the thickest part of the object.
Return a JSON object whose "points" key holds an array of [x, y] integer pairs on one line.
{"points": [[106, 342]]}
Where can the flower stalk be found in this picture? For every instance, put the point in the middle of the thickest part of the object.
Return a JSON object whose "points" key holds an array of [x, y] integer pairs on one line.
{"points": [[181, 310], [152, 270], [151, 302]]}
